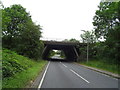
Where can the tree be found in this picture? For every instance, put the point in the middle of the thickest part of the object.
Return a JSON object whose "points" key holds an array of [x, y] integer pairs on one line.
{"points": [[71, 40], [74, 40], [88, 37], [62, 54], [30, 46], [65, 40], [107, 25], [51, 53], [20, 33], [14, 20], [107, 19]]}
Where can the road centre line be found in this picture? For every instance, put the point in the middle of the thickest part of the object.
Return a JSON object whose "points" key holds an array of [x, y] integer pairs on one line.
{"points": [[76, 73], [64, 65], [43, 76], [79, 75]]}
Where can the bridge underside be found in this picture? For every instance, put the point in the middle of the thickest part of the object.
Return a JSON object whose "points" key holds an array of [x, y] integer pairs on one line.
{"points": [[70, 51]]}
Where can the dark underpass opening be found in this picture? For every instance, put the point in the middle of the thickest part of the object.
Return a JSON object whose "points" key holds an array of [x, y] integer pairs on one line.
{"points": [[56, 55], [60, 51]]}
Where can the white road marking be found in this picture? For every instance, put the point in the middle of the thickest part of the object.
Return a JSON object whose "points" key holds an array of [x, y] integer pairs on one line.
{"points": [[43, 76], [79, 75], [75, 73], [64, 65]]}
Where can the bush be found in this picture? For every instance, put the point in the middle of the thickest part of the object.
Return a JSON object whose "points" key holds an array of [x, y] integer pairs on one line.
{"points": [[13, 63]]}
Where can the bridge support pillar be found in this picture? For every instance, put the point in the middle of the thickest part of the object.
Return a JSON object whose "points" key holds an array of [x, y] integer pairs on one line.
{"points": [[76, 53]]}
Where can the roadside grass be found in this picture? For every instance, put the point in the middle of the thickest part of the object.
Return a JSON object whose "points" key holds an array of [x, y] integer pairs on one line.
{"points": [[20, 80], [0, 73], [102, 65], [19, 71]]}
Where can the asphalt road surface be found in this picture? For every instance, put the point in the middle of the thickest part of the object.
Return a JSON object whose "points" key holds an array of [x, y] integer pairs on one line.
{"points": [[56, 57], [69, 75]]}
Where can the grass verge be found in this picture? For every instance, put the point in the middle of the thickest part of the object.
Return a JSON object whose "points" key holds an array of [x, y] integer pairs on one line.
{"points": [[20, 80], [17, 70], [102, 65]]}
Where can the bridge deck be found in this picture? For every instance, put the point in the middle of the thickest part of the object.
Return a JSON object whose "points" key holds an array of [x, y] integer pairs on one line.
{"points": [[62, 43]]}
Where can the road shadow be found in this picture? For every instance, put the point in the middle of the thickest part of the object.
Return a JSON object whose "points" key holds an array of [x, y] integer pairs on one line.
{"points": [[59, 60]]}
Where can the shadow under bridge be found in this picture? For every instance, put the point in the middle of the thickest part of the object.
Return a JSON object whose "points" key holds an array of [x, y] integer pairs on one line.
{"points": [[70, 49]]}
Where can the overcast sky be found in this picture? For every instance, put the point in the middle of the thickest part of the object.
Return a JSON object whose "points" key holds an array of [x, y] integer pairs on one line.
{"points": [[60, 19]]}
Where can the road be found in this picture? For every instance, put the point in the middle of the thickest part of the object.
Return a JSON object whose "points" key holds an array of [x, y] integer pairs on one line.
{"points": [[56, 56], [69, 75]]}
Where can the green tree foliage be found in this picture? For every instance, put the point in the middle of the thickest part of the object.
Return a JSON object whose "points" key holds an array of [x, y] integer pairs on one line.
{"points": [[74, 40], [65, 40], [62, 54], [51, 53], [20, 33], [90, 39], [107, 19], [107, 25], [71, 40]]}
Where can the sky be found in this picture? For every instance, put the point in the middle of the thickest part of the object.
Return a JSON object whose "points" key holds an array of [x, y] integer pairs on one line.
{"points": [[60, 19]]}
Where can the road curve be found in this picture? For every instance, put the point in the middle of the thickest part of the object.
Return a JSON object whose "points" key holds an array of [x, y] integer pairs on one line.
{"points": [[70, 75]]}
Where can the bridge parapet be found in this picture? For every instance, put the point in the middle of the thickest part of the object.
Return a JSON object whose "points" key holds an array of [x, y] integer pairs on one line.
{"points": [[63, 43]]}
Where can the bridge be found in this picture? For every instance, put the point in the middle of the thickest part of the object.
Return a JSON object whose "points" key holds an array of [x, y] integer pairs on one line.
{"points": [[70, 49]]}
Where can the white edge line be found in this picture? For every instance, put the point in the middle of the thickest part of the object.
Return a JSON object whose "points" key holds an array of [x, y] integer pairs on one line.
{"points": [[79, 75], [43, 76]]}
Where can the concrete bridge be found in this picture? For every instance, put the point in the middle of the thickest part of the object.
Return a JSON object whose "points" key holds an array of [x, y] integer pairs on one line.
{"points": [[71, 49]]}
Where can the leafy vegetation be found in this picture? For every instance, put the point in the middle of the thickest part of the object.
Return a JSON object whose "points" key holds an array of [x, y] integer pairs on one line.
{"points": [[17, 68], [107, 25], [62, 54], [71, 40], [88, 37], [102, 65], [20, 33], [13, 63], [51, 53], [107, 28]]}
